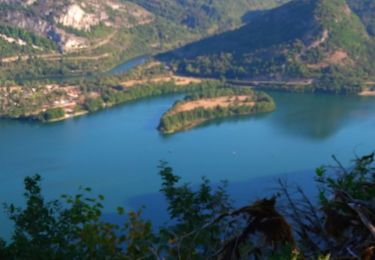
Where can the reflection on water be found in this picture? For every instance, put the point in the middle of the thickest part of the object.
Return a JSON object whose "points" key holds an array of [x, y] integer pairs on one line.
{"points": [[319, 116], [311, 116]]}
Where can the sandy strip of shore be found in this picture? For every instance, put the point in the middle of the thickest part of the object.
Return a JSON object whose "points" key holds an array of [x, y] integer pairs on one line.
{"points": [[367, 93]]}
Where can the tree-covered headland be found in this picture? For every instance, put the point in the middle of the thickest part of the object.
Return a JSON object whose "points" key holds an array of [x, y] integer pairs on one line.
{"points": [[209, 104]]}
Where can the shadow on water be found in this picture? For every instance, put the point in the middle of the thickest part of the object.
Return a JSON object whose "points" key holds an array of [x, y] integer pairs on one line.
{"points": [[242, 193], [317, 116]]}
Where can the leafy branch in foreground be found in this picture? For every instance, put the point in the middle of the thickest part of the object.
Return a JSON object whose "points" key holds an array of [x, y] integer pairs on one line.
{"points": [[342, 223], [204, 223], [74, 231]]}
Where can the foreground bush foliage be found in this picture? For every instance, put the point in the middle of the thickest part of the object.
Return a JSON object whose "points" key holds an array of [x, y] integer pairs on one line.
{"points": [[204, 223]]}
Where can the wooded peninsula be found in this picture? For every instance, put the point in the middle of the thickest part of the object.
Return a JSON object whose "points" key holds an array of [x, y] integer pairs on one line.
{"points": [[207, 105]]}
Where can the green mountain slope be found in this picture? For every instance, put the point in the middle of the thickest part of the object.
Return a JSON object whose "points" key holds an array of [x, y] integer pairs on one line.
{"points": [[76, 36], [365, 9], [318, 41], [206, 15]]}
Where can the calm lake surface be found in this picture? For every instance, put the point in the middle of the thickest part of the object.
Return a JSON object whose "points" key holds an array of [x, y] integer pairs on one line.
{"points": [[117, 151]]}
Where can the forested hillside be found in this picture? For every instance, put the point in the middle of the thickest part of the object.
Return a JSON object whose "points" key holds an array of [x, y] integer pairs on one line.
{"points": [[72, 37], [327, 45], [318, 41], [206, 15], [365, 9]]}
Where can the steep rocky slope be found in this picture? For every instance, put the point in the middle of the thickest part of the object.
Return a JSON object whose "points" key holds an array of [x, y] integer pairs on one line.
{"points": [[70, 23]]}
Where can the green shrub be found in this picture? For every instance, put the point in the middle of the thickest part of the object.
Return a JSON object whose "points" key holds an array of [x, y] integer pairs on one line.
{"points": [[53, 113]]}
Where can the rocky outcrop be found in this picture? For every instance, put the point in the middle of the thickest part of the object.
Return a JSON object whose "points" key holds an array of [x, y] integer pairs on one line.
{"points": [[75, 17], [62, 21]]}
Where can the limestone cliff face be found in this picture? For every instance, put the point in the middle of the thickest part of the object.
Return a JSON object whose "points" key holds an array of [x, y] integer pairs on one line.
{"points": [[74, 16], [67, 22]]}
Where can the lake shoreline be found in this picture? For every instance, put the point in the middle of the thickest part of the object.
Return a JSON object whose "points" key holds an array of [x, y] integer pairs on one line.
{"points": [[223, 103], [73, 99], [117, 151]]}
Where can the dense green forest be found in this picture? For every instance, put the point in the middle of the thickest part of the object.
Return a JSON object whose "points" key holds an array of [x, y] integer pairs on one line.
{"points": [[255, 102], [315, 39], [204, 224]]}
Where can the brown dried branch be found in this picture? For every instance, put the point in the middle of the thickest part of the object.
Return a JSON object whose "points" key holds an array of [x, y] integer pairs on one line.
{"points": [[363, 216], [303, 230]]}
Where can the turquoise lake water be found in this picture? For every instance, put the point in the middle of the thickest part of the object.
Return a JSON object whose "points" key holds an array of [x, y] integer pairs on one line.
{"points": [[117, 151]]}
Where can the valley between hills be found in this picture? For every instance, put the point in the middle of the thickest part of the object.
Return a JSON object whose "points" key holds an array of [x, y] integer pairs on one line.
{"points": [[330, 51], [238, 104]]}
